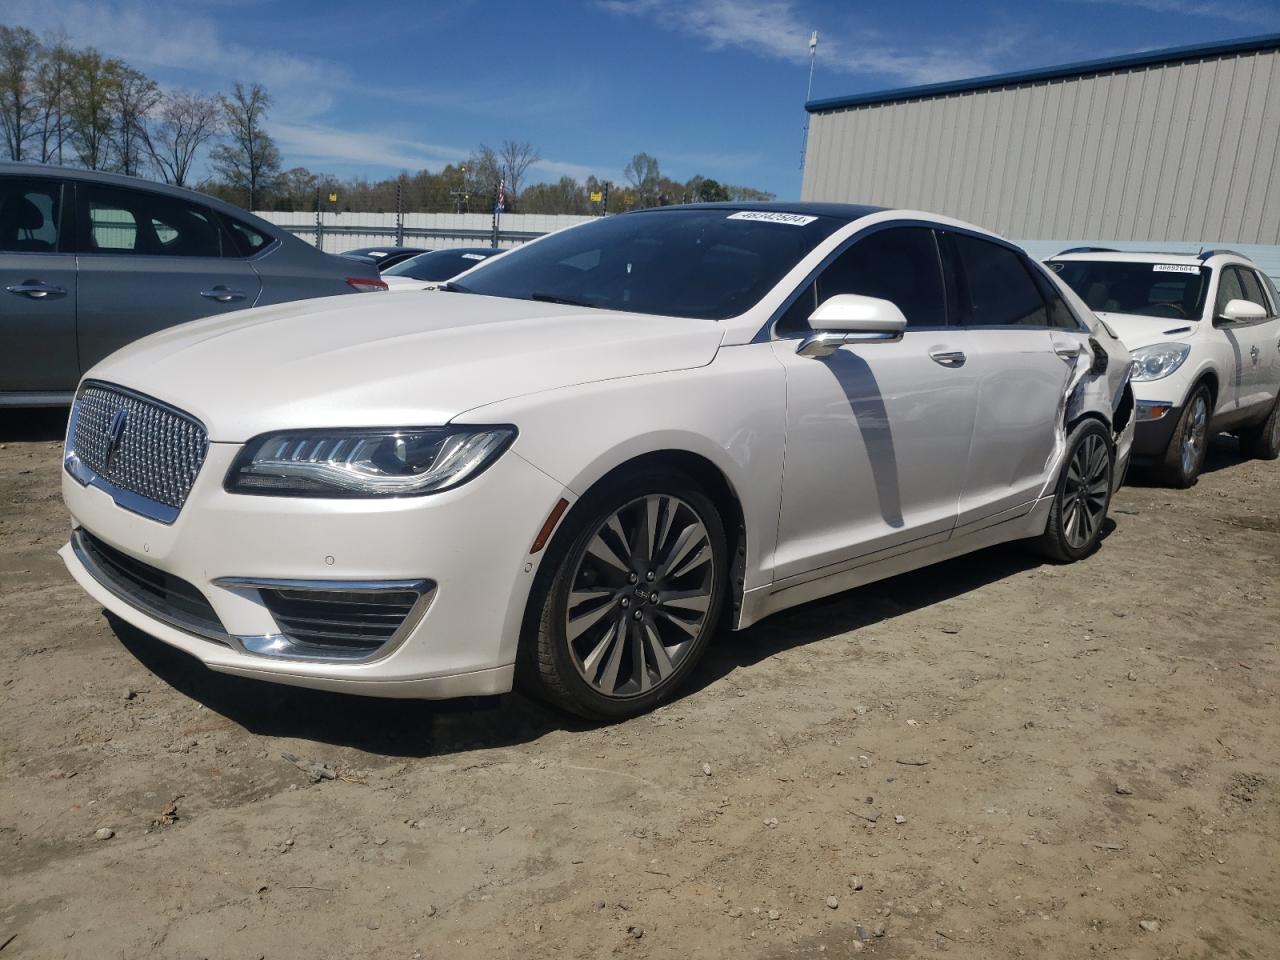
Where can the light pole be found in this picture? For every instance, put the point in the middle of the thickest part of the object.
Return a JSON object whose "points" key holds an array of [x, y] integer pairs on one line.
{"points": [[813, 56]]}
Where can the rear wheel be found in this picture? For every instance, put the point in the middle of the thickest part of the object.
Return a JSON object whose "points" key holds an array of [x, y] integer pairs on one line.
{"points": [[1262, 441], [628, 598], [1083, 495], [1184, 458]]}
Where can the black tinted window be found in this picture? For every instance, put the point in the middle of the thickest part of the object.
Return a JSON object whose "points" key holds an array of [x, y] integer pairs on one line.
{"points": [[709, 264], [1060, 314], [133, 221], [245, 239], [993, 287], [900, 265], [1253, 289], [29, 212], [437, 265]]}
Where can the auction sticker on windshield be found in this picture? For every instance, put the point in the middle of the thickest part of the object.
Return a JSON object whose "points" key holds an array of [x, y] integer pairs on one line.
{"points": [[1175, 268], [770, 216]]}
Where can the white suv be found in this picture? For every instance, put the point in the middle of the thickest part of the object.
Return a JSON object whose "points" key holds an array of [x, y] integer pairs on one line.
{"points": [[1205, 335]]}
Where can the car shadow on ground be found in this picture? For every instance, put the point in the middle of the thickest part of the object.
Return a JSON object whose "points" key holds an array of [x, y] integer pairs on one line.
{"points": [[424, 728], [18, 426], [1224, 453]]}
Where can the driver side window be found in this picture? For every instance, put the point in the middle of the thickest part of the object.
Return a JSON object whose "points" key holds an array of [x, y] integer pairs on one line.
{"points": [[1229, 289]]}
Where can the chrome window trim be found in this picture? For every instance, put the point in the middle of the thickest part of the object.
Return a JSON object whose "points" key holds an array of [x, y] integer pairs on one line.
{"points": [[280, 646]]}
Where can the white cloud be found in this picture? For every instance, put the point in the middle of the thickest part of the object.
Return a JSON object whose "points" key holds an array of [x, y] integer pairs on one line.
{"points": [[1243, 13], [775, 29]]}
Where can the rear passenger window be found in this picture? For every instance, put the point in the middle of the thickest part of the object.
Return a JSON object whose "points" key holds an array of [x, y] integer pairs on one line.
{"points": [[134, 221], [29, 215], [248, 241], [899, 265], [994, 289], [1060, 315]]}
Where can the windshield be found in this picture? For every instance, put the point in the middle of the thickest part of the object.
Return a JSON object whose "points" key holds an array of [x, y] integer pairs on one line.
{"points": [[438, 265], [1174, 290], [704, 264]]}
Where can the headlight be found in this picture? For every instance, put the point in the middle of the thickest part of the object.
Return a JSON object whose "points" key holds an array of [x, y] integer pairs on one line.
{"points": [[1158, 361], [366, 463]]}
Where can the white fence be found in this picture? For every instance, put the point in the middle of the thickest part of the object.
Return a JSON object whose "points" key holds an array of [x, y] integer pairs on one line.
{"points": [[346, 231]]}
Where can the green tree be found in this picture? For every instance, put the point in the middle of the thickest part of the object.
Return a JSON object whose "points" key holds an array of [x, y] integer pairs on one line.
{"points": [[92, 87], [133, 97], [250, 161], [19, 104]]}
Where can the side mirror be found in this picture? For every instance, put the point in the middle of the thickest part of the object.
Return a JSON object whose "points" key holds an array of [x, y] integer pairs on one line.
{"points": [[851, 318], [1242, 311]]}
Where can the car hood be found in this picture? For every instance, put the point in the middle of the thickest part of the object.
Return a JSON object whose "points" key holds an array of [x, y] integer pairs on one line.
{"points": [[1135, 330], [378, 360]]}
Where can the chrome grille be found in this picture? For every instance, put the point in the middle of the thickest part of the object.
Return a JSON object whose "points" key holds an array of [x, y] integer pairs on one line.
{"points": [[156, 452]]}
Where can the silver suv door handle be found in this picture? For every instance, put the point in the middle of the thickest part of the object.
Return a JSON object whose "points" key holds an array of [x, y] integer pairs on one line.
{"points": [[223, 294], [1253, 352], [36, 289], [948, 358]]}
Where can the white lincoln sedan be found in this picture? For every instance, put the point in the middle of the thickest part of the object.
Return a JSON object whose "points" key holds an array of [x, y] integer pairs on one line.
{"points": [[572, 465]]}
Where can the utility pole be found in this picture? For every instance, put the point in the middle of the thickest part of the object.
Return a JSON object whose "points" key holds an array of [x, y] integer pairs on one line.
{"points": [[813, 56], [499, 203], [399, 213], [319, 226]]}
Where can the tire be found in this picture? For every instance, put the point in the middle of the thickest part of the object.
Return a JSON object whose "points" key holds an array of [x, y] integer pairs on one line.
{"points": [[1184, 458], [1082, 497], [1262, 441], [613, 627]]}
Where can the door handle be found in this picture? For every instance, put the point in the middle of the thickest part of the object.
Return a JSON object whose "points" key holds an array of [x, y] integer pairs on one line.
{"points": [[1067, 351], [223, 294], [1253, 353], [948, 358], [36, 289]]}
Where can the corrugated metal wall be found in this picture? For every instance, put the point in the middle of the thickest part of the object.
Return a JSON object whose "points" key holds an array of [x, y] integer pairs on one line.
{"points": [[1185, 151]]}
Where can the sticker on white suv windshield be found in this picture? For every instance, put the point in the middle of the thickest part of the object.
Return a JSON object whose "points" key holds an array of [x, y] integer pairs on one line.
{"points": [[769, 216], [1175, 268]]}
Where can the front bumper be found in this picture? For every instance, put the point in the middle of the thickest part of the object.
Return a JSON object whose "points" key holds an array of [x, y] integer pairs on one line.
{"points": [[470, 544], [1151, 437]]}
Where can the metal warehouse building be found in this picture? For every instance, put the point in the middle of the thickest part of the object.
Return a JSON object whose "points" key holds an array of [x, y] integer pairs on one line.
{"points": [[1170, 149]]}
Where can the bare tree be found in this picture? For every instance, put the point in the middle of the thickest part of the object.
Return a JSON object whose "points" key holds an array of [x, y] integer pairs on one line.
{"points": [[483, 170], [250, 162], [133, 97], [53, 80], [643, 174], [19, 108], [182, 125], [514, 160], [93, 80]]}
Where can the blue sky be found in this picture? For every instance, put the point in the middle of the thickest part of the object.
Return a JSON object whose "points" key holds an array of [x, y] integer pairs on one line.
{"points": [[707, 86]]}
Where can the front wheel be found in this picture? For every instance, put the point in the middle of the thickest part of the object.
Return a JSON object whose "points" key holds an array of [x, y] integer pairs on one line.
{"points": [[628, 599], [1184, 458], [1082, 497]]}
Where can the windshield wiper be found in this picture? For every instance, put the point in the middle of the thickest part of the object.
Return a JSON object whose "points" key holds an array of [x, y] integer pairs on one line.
{"points": [[556, 298], [450, 287]]}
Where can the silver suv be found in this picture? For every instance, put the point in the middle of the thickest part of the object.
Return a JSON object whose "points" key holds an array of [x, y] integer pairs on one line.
{"points": [[92, 261]]}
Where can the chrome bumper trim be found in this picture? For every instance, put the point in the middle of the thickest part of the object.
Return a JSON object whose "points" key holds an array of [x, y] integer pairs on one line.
{"points": [[280, 646]]}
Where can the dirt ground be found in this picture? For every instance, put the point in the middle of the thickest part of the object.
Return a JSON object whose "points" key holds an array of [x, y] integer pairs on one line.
{"points": [[991, 758]]}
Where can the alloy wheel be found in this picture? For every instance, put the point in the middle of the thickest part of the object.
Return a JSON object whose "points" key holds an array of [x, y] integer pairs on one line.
{"points": [[1193, 439], [1085, 493], [640, 596]]}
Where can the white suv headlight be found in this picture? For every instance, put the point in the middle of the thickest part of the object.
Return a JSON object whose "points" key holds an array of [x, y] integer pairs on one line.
{"points": [[365, 463], [1159, 360]]}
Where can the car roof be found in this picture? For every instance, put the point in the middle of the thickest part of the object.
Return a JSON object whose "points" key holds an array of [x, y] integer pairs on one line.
{"points": [[365, 250], [841, 211], [1205, 259], [8, 168]]}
